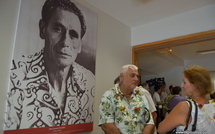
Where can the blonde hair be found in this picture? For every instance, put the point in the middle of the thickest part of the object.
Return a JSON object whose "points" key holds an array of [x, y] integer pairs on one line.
{"points": [[200, 77]]}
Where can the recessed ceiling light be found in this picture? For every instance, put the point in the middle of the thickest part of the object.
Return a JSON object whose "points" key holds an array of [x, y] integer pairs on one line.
{"points": [[169, 49], [207, 51]]}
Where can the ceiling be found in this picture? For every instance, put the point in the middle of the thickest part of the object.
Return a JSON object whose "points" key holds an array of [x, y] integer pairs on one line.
{"points": [[138, 12], [162, 60]]}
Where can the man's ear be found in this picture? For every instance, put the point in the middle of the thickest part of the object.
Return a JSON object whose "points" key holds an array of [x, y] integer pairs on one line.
{"points": [[121, 77], [80, 46], [42, 29]]}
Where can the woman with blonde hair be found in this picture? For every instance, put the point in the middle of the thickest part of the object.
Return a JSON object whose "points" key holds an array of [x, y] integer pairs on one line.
{"points": [[196, 114]]}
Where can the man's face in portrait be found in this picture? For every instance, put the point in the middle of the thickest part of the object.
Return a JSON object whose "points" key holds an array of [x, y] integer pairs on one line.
{"points": [[62, 36]]}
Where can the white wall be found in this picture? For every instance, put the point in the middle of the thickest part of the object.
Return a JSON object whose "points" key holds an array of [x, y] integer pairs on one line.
{"points": [[199, 20], [8, 15], [207, 63], [113, 51]]}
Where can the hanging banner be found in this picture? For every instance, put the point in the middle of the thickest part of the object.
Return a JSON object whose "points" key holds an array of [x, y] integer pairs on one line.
{"points": [[52, 76]]}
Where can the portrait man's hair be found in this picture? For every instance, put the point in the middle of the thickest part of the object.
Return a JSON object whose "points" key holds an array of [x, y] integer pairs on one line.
{"points": [[51, 5]]}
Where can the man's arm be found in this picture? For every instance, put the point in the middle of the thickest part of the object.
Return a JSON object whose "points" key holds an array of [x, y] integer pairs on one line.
{"points": [[151, 104], [106, 114], [154, 116], [110, 128], [158, 100], [149, 129]]}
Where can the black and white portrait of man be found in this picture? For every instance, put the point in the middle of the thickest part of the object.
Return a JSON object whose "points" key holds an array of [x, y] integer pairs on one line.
{"points": [[52, 75]]}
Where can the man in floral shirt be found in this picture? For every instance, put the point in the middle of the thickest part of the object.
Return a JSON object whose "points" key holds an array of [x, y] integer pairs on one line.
{"points": [[166, 100], [123, 108]]}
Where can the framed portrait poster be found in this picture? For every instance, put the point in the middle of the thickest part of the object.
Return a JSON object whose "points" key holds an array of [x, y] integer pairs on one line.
{"points": [[52, 74]]}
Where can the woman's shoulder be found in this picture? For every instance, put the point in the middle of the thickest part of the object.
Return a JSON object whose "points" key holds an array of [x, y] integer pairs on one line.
{"points": [[208, 110], [182, 104], [181, 108]]}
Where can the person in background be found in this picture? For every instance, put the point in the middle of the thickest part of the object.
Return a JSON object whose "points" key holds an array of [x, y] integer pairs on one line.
{"points": [[145, 89], [117, 80], [152, 108], [158, 104], [166, 108], [196, 84], [212, 96], [163, 93], [124, 109], [145, 86], [176, 92]]}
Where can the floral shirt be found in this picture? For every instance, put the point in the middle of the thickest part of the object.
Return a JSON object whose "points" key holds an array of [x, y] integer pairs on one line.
{"points": [[166, 102], [31, 100], [131, 116]]}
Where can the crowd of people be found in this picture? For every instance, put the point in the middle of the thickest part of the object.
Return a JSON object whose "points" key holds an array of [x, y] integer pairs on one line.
{"points": [[50, 88], [129, 108]]}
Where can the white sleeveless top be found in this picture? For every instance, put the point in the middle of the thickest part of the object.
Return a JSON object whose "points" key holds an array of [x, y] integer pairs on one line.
{"points": [[205, 119]]}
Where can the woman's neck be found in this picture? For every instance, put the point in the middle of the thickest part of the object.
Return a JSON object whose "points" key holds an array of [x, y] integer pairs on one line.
{"points": [[200, 99]]}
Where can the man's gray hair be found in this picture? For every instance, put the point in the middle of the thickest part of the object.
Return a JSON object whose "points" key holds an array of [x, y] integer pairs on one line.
{"points": [[125, 67], [145, 85]]}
